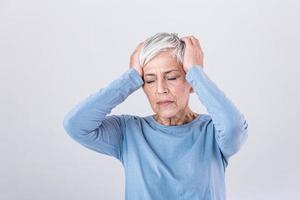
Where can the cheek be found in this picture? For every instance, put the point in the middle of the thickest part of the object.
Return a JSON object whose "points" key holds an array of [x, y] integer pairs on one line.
{"points": [[181, 89], [181, 94], [150, 95]]}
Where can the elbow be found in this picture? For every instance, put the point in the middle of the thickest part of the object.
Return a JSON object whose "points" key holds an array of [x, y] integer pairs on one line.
{"points": [[237, 128], [68, 125], [234, 137], [233, 145]]}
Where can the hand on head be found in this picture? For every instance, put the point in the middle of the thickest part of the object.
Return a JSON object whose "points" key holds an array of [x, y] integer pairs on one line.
{"points": [[134, 59], [193, 54]]}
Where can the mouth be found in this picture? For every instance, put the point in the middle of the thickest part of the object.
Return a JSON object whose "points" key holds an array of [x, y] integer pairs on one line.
{"points": [[165, 103]]}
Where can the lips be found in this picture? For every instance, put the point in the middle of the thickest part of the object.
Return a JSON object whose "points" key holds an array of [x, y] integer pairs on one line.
{"points": [[164, 102]]}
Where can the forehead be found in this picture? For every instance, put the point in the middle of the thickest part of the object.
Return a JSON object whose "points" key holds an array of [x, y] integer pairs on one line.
{"points": [[162, 63]]}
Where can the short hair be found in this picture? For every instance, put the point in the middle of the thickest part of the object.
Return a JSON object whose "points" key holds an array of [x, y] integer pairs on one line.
{"points": [[160, 42]]}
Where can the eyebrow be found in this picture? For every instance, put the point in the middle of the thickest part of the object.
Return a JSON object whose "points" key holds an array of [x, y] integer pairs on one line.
{"points": [[166, 72]]}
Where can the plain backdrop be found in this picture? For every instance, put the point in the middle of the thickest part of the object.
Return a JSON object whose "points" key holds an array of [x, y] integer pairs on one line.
{"points": [[53, 54]]}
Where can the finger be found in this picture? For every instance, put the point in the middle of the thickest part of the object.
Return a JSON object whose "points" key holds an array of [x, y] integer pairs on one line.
{"points": [[192, 40], [195, 40], [140, 46], [187, 40]]}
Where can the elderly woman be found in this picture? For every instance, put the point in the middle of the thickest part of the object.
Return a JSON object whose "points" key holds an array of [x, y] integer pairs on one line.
{"points": [[174, 153]]}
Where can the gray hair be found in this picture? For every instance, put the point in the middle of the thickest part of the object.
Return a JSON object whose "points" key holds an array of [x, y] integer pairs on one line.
{"points": [[162, 42]]}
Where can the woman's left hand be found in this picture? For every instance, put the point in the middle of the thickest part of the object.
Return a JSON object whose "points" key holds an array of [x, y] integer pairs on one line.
{"points": [[193, 54]]}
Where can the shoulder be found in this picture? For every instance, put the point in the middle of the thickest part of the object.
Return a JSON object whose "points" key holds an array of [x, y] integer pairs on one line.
{"points": [[205, 120], [205, 116], [208, 123], [127, 118]]}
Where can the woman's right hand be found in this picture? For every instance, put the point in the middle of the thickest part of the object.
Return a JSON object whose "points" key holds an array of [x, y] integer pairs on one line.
{"points": [[134, 59]]}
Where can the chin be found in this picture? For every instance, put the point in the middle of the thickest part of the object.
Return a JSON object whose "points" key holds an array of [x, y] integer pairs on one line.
{"points": [[167, 113]]}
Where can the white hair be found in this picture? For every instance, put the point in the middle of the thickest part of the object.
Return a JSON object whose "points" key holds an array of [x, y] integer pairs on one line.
{"points": [[162, 42]]}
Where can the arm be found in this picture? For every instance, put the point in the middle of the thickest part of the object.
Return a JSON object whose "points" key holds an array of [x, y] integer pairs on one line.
{"points": [[88, 123], [229, 123]]}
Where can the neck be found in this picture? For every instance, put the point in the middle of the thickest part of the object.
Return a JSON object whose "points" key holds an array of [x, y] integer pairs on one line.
{"points": [[179, 119]]}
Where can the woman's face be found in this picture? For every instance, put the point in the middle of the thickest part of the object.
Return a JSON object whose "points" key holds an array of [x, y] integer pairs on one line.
{"points": [[164, 80]]}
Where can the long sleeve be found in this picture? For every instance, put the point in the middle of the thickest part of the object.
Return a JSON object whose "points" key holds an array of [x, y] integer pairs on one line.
{"points": [[229, 123], [88, 123]]}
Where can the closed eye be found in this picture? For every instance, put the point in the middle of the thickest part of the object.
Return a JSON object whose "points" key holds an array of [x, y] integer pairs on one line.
{"points": [[170, 79]]}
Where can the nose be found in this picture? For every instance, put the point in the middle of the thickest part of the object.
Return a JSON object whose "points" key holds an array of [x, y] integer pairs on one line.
{"points": [[162, 87]]}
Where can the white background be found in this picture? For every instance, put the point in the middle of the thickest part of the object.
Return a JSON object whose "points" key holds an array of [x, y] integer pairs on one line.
{"points": [[53, 54]]}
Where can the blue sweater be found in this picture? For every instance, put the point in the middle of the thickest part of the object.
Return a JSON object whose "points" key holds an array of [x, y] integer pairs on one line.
{"points": [[161, 162]]}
